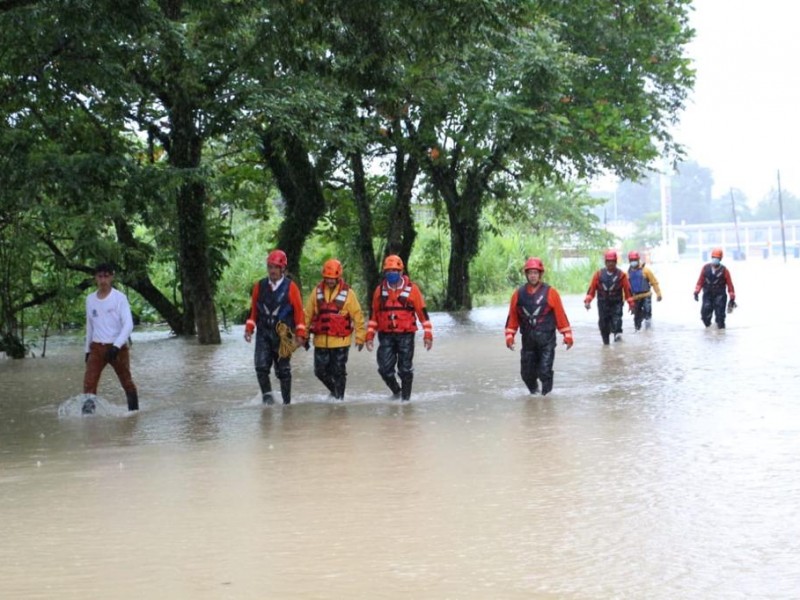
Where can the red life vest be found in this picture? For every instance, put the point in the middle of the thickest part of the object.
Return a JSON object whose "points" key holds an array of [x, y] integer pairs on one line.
{"points": [[533, 312], [397, 315], [329, 319]]}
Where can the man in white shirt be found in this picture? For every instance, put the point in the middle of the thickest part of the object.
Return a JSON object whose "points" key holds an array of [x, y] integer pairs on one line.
{"points": [[108, 328]]}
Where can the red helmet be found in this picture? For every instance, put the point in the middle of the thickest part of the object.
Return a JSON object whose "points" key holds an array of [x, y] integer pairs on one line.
{"points": [[633, 255], [277, 258], [392, 262], [534, 263], [332, 269], [611, 255], [716, 253]]}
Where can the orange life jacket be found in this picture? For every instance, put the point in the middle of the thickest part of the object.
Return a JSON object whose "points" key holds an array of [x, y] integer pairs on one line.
{"points": [[397, 315], [329, 319]]}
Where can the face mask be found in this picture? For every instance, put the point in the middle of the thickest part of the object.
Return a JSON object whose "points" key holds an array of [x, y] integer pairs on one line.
{"points": [[392, 277], [634, 263], [715, 262]]}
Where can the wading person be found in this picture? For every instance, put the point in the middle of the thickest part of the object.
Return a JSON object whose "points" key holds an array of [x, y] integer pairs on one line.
{"points": [[536, 310], [333, 315], [612, 288], [717, 286], [397, 303], [643, 283], [109, 324], [276, 316]]}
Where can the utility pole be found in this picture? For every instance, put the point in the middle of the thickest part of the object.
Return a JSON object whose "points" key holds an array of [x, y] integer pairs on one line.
{"points": [[780, 210], [736, 228]]}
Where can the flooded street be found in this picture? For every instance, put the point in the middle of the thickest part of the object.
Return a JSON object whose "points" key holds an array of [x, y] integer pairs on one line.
{"points": [[664, 466]]}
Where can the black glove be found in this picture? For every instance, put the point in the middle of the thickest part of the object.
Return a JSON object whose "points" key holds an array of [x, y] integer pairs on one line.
{"points": [[86, 358], [111, 353], [731, 305], [696, 297]]}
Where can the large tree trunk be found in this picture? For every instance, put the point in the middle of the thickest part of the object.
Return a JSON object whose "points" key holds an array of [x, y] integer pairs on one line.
{"points": [[198, 290], [402, 233], [300, 185], [137, 278], [464, 212], [363, 204]]}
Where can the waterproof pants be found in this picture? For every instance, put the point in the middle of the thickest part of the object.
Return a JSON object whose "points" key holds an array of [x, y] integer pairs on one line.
{"points": [[610, 317], [266, 355], [97, 362], [330, 367], [536, 361], [714, 304], [396, 350], [642, 311]]}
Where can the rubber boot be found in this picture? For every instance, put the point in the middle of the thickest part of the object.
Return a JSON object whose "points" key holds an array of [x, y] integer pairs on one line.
{"points": [[338, 389], [88, 406], [547, 385], [286, 390], [405, 394], [329, 383], [265, 385], [393, 385], [133, 400]]}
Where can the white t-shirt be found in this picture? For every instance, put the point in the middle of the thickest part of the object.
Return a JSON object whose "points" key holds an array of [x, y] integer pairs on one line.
{"points": [[108, 321]]}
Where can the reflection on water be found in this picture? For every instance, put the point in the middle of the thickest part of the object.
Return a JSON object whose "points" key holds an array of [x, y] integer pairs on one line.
{"points": [[663, 466]]}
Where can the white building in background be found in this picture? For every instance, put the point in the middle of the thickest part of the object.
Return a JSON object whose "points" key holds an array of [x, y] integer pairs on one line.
{"points": [[748, 239]]}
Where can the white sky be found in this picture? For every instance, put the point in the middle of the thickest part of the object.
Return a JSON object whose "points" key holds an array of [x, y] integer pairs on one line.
{"points": [[742, 120]]}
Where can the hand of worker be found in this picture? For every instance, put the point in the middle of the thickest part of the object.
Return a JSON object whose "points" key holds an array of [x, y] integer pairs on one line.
{"points": [[369, 344], [568, 341], [248, 336], [510, 342], [696, 297], [360, 347], [658, 298], [428, 343], [587, 305], [111, 353], [86, 357]]}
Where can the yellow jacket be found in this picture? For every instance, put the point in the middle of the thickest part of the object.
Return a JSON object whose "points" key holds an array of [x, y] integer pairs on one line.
{"points": [[350, 307]]}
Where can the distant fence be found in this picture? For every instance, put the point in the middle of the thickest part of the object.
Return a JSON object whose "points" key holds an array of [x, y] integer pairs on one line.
{"points": [[756, 239]]}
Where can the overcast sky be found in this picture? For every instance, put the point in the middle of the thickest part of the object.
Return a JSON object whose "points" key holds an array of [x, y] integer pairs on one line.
{"points": [[743, 118]]}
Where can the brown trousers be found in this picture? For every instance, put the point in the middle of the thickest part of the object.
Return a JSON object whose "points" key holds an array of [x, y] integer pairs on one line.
{"points": [[97, 362]]}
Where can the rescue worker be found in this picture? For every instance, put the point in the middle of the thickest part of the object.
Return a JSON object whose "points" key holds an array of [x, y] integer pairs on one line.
{"points": [[537, 310], [643, 282], [714, 280], [612, 288], [397, 303], [333, 314], [276, 316], [109, 324]]}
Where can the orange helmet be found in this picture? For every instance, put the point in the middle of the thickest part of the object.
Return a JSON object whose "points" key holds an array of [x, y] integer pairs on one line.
{"points": [[332, 269], [392, 262], [716, 253], [277, 258], [611, 255], [534, 263], [633, 255]]}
